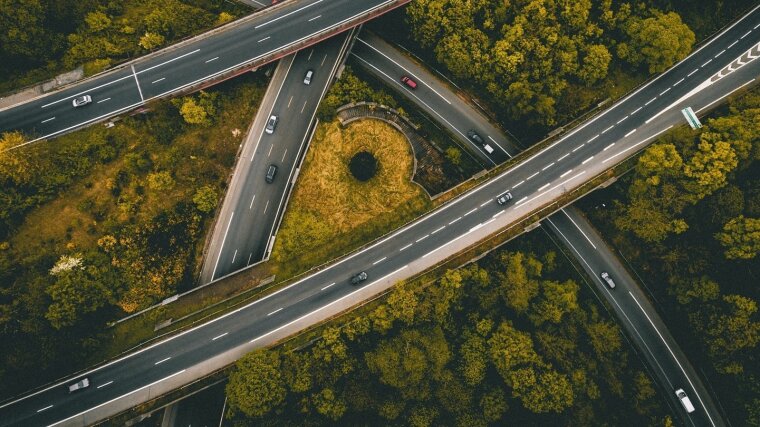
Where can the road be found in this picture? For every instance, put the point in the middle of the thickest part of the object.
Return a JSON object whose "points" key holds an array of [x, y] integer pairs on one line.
{"points": [[434, 97], [252, 207], [635, 313], [639, 318], [252, 41], [538, 179]]}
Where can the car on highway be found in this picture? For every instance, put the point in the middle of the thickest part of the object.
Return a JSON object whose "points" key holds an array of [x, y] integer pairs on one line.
{"points": [[409, 82], [479, 140], [308, 76], [79, 385], [271, 172], [81, 100], [607, 279], [504, 198], [684, 400], [271, 124], [359, 278]]}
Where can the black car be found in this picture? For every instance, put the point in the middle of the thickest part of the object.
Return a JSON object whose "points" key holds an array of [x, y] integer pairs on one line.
{"points": [[271, 172], [475, 137], [359, 278]]}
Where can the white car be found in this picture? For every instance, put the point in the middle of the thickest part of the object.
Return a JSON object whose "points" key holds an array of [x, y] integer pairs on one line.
{"points": [[307, 77], [504, 198], [684, 400], [606, 277], [271, 124], [83, 383], [81, 100]]}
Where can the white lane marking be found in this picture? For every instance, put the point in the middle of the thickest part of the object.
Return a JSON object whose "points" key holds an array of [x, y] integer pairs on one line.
{"points": [[449, 242], [323, 61], [745, 35], [692, 73], [528, 178], [219, 336], [380, 260], [560, 159], [159, 80], [283, 155], [327, 286], [636, 144], [755, 27], [578, 148], [725, 95], [499, 145], [44, 409], [134, 73], [485, 203], [252, 199], [270, 150], [83, 92], [629, 133], [265, 39], [103, 100], [521, 201], [311, 52], [672, 355], [288, 14], [587, 160], [337, 301], [636, 110], [290, 101], [679, 82], [218, 257], [212, 59], [407, 71], [621, 120], [481, 225], [547, 166], [315, 18], [47, 120], [279, 309], [266, 207], [169, 61], [552, 189], [455, 220], [708, 61], [443, 226], [162, 360], [579, 228], [608, 147], [650, 101], [566, 173], [117, 398], [498, 213], [105, 384], [234, 256], [422, 238], [304, 106], [608, 129], [720, 53], [471, 211], [249, 259], [406, 247], [665, 91], [595, 137], [518, 184], [545, 186]]}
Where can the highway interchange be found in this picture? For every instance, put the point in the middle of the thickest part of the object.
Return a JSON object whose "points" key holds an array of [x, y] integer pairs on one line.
{"points": [[588, 150]]}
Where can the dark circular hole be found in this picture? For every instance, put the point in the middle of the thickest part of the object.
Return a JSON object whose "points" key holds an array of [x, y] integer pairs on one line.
{"points": [[363, 166]]}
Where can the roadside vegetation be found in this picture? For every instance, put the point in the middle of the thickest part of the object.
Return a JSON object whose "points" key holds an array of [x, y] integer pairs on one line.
{"points": [[331, 211], [42, 38], [511, 339], [106, 221], [688, 219]]}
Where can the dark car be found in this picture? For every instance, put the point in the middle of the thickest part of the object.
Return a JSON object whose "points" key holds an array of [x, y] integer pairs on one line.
{"points": [[475, 137], [607, 279], [359, 278], [271, 172], [409, 82], [504, 198], [271, 124]]}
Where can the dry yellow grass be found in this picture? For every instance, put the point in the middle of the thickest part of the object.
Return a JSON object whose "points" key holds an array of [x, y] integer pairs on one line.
{"points": [[331, 211]]}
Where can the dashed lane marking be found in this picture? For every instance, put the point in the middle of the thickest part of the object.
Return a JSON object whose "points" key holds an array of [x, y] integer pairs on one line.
{"points": [[162, 361], [608, 129], [406, 247], [547, 166], [608, 147], [629, 133], [650, 101], [279, 309], [587, 160], [665, 91], [327, 286], [422, 238], [566, 173], [219, 336], [380, 260], [543, 187]]}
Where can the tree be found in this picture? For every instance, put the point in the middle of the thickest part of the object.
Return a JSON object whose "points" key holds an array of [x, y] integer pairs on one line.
{"points": [[509, 347], [595, 63], [150, 41], [454, 155], [160, 181], [474, 358], [15, 164], [556, 299], [329, 405], [494, 405], [657, 42], [732, 330], [519, 284], [205, 198], [741, 238], [193, 113], [256, 385], [22, 29]]}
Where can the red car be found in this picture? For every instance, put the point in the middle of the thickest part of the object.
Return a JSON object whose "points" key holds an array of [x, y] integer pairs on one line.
{"points": [[409, 82]]}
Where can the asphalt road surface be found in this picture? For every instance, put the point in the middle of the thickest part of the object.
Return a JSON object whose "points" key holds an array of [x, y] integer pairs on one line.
{"points": [[627, 126], [252, 207], [260, 38], [637, 315], [434, 97]]}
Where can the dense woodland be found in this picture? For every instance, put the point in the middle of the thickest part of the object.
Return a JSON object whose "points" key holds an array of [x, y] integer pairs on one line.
{"points": [[512, 339], [689, 217]]}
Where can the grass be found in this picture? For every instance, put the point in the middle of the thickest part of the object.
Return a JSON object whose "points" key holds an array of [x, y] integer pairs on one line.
{"points": [[332, 212]]}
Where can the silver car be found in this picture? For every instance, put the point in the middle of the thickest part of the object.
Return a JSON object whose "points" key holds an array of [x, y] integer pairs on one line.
{"points": [[79, 385], [81, 100], [307, 77], [271, 124], [504, 198], [606, 277]]}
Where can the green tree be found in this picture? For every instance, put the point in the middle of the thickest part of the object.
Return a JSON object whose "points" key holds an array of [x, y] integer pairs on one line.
{"points": [[741, 238], [596, 61], [733, 330], [205, 198], [329, 405], [193, 113], [15, 164], [454, 155], [557, 299], [160, 181], [494, 405], [256, 385], [657, 42], [509, 348], [150, 41], [519, 282]]}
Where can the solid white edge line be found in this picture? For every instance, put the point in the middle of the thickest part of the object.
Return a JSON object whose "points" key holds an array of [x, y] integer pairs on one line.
{"points": [[287, 14], [169, 61], [544, 186], [587, 160], [218, 257], [566, 173], [629, 133], [578, 227], [637, 144], [728, 94], [551, 189]]}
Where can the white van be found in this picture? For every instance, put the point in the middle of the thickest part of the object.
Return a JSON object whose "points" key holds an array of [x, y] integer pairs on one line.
{"points": [[488, 148], [685, 400]]}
